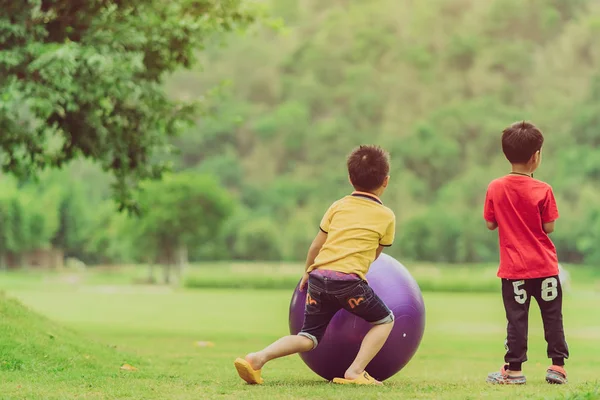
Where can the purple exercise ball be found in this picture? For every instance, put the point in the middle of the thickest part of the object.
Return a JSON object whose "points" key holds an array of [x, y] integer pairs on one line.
{"points": [[392, 282]]}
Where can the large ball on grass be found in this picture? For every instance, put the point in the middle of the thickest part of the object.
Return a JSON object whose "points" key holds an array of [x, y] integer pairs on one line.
{"points": [[397, 288]]}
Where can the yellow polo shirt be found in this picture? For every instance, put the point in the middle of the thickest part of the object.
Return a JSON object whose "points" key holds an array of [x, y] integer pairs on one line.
{"points": [[356, 226]]}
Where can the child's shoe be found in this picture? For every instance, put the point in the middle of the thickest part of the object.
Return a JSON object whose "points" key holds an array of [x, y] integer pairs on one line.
{"points": [[503, 378], [556, 375], [364, 379], [247, 373]]}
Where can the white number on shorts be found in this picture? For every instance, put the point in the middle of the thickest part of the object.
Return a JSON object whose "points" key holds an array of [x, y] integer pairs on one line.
{"points": [[549, 289], [520, 293]]}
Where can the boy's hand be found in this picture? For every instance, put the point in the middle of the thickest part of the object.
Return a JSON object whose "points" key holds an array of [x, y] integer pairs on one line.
{"points": [[491, 225], [303, 281]]}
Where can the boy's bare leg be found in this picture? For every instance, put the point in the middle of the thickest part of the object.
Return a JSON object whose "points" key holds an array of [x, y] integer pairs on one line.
{"points": [[370, 346], [283, 347]]}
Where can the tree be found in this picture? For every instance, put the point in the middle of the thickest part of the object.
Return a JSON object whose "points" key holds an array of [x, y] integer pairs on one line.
{"points": [[349, 73], [181, 211], [27, 221], [84, 79], [369, 72]]}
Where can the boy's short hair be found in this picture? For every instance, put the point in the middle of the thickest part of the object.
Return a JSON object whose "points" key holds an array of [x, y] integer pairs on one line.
{"points": [[520, 141], [368, 166]]}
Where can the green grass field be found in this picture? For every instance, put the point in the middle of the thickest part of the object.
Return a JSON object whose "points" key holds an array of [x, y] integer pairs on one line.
{"points": [[74, 341]]}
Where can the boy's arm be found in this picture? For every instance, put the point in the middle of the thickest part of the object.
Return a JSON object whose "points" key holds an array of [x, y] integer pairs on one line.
{"points": [[488, 212], [379, 250], [317, 243], [388, 237], [313, 252], [315, 247], [549, 212], [548, 227]]}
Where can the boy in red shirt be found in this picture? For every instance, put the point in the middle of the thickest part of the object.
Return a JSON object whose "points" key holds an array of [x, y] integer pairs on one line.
{"points": [[524, 211]]}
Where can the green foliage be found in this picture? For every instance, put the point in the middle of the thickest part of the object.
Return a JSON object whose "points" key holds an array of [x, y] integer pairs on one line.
{"points": [[441, 277], [182, 210], [107, 236], [435, 86], [84, 80], [228, 280], [72, 214], [446, 279], [67, 200], [27, 222], [433, 82], [256, 239]]}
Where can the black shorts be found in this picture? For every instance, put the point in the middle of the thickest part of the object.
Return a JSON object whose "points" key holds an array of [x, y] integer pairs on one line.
{"points": [[327, 296]]}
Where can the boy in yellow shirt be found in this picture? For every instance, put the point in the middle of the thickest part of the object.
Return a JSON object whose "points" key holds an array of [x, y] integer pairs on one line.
{"points": [[352, 234]]}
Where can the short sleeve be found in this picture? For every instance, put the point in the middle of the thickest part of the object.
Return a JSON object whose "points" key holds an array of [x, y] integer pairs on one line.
{"points": [[388, 237], [488, 207], [326, 220], [549, 208]]}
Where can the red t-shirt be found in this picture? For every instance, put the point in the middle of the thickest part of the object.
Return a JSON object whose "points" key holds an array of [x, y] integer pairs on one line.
{"points": [[520, 205]]}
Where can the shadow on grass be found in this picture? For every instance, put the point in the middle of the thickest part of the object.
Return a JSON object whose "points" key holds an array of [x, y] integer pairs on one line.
{"points": [[320, 383]]}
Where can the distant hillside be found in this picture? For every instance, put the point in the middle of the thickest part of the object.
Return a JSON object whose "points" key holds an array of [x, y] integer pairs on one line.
{"points": [[434, 82]]}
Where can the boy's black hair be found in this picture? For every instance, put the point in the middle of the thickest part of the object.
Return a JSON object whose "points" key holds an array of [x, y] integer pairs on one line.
{"points": [[368, 166], [520, 141]]}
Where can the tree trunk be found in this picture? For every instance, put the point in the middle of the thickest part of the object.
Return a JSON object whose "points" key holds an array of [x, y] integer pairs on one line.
{"points": [[167, 273], [182, 261], [166, 259], [15, 260], [151, 267]]}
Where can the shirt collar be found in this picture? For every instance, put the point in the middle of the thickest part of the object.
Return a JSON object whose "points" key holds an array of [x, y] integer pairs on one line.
{"points": [[367, 195]]}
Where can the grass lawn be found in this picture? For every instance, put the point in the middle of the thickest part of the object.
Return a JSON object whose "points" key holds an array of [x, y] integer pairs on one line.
{"points": [[92, 330]]}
